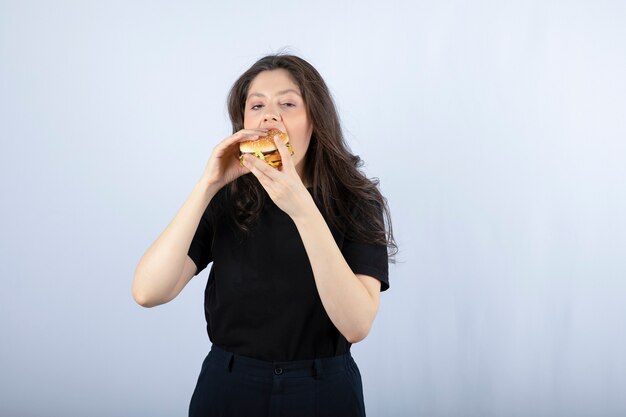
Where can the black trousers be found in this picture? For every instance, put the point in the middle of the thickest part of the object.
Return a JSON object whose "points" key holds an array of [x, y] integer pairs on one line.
{"points": [[232, 385]]}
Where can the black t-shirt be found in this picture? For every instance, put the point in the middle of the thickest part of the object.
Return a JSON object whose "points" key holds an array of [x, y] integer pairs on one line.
{"points": [[261, 300]]}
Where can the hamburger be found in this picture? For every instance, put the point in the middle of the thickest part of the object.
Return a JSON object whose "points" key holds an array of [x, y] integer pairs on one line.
{"points": [[264, 148]]}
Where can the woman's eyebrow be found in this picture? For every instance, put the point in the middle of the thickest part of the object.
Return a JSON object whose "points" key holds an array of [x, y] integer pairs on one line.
{"points": [[280, 93]]}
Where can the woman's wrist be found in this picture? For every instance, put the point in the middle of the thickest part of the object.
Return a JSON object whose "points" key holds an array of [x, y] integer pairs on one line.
{"points": [[208, 187], [308, 212]]}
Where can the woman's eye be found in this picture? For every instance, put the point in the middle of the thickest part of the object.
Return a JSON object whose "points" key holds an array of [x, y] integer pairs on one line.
{"points": [[258, 106]]}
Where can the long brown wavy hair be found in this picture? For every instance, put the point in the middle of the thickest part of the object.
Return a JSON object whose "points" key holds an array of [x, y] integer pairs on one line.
{"points": [[352, 202]]}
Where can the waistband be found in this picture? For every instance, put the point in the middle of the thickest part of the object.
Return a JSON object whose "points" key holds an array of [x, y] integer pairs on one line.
{"points": [[280, 369]]}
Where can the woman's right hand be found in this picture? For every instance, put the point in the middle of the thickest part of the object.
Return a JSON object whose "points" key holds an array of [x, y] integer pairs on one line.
{"points": [[223, 166]]}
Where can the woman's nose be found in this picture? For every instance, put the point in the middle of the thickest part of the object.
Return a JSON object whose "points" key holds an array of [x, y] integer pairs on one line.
{"points": [[271, 115]]}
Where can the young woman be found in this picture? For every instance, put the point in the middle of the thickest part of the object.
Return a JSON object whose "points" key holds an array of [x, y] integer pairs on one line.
{"points": [[300, 255]]}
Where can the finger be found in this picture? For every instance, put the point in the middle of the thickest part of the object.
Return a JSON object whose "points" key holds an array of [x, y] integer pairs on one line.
{"points": [[247, 133], [259, 168], [262, 166], [240, 136], [285, 155]]}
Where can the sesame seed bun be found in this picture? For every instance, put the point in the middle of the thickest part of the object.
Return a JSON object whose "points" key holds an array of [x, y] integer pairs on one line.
{"points": [[263, 144], [265, 148]]}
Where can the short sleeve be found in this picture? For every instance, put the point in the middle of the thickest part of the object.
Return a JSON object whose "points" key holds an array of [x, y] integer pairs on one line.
{"points": [[200, 249], [368, 259]]}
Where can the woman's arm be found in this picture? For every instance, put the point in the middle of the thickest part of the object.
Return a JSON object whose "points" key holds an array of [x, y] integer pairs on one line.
{"points": [[158, 276], [164, 269], [351, 301]]}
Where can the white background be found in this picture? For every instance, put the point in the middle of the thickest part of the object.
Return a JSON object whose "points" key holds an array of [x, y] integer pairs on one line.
{"points": [[497, 130]]}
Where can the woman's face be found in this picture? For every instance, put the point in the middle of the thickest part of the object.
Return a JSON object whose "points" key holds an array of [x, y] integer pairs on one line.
{"points": [[274, 100]]}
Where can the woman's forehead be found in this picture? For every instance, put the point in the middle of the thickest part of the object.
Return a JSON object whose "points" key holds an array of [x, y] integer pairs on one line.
{"points": [[277, 81]]}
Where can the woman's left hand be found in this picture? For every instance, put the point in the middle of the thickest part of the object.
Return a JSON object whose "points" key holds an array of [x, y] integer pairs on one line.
{"points": [[284, 186]]}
